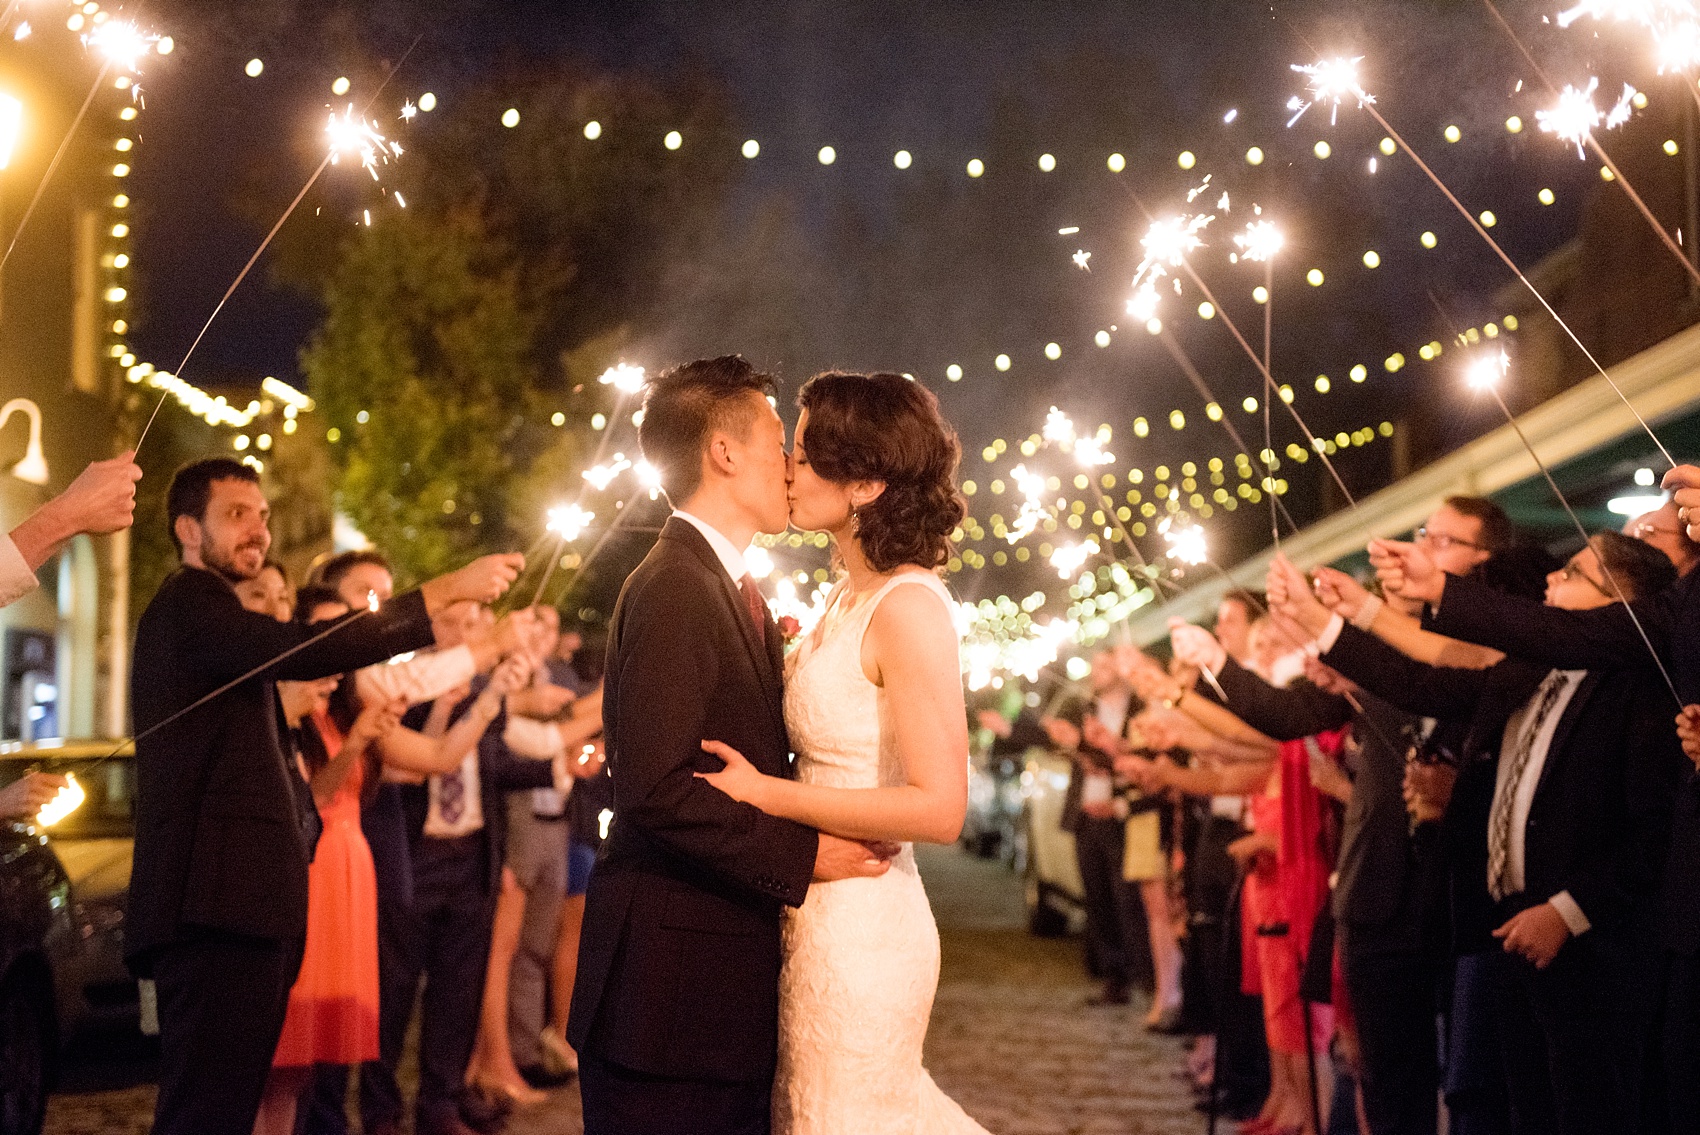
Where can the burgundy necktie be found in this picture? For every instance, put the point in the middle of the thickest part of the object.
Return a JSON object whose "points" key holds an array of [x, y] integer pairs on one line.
{"points": [[758, 606]]}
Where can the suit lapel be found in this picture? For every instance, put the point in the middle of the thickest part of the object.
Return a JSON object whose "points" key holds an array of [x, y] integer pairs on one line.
{"points": [[767, 674]]}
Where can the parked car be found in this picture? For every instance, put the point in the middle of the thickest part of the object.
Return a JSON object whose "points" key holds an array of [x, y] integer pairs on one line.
{"points": [[1051, 875], [62, 895], [991, 828]]}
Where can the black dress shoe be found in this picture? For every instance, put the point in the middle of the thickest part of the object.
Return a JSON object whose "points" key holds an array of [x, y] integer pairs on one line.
{"points": [[1113, 993], [543, 1079]]}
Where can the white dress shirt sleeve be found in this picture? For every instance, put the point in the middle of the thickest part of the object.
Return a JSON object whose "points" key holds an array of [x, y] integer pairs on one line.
{"points": [[417, 679], [529, 737], [16, 578]]}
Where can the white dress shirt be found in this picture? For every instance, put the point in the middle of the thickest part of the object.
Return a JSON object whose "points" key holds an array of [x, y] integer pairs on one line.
{"points": [[442, 823], [16, 578], [730, 558], [1523, 792]]}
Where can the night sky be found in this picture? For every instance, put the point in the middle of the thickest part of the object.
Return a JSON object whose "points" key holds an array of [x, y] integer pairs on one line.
{"points": [[950, 81]]}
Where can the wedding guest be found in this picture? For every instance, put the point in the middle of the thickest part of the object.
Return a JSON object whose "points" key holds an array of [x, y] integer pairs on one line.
{"points": [[590, 810], [332, 1016], [457, 831], [218, 893], [359, 577], [1115, 917], [102, 499], [1558, 828], [267, 593]]}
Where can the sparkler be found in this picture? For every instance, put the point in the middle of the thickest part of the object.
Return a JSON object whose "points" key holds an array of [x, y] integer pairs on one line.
{"points": [[1368, 106], [64, 802], [623, 377], [1070, 558], [1080, 258], [122, 44], [1332, 81], [1031, 486], [1484, 376], [1575, 117]]}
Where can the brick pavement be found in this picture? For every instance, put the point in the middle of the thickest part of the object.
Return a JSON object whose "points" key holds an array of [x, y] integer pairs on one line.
{"points": [[1010, 1038]]}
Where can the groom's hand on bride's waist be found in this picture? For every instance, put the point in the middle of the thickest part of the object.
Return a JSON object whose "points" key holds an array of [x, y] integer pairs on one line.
{"points": [[849, 859]]}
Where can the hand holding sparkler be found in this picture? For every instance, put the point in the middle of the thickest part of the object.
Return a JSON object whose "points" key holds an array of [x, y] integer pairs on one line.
{"points": [[1684, 485], [27, 795], [1688, 731], [1290, 595], [1407, 571], [1196, 647], [1339, 592]]}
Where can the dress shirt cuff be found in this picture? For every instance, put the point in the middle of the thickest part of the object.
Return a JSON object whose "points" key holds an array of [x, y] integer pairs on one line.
{"points": [[1364, 620], [528, 737], [1571, 913], [16, 578], [1330, 634]]}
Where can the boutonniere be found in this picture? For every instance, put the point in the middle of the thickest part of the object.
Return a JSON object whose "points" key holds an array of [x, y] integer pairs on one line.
{"points": [[789, 629]]}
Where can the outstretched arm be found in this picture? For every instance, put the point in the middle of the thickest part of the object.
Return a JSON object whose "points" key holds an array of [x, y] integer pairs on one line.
{"points": [[913, 647]]}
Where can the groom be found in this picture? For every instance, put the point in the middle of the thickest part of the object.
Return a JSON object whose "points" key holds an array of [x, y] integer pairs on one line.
{"points": [[675, 1010]]}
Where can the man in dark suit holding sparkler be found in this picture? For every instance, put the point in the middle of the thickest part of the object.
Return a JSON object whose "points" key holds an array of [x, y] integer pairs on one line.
{"points": [[218, 894]]}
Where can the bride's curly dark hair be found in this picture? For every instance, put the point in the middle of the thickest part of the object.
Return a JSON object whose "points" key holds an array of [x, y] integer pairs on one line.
{"points": [[884, 427]]}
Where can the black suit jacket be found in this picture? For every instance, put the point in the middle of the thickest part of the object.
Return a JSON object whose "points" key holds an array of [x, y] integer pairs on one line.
{"points": [[1069, 820], [218, 841], [1599, 824], [499, 773], [679, 960], [1378, 864]]}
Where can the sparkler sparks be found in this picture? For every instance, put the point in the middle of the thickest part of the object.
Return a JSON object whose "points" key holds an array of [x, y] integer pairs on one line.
{"points": [[624, 377], [602, 476], [1080, 260], [351, 136], [1186, 542], [1575, 116], [1260, 241], [66, 801], [1031, 486], [121, 43], [1485, 373], [1069, 558], [1674, 26], [1331, 82], [569, 521]]}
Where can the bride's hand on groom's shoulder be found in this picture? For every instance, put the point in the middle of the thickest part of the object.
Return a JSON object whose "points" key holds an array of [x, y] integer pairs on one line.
{"points": [[739, 779]]}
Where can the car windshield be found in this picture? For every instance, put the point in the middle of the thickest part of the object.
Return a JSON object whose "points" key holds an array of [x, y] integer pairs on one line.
{"points": [[108, 812]]}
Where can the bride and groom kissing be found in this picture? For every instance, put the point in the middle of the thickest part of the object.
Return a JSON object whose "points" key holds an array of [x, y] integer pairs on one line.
{"points": [[758, 952]]}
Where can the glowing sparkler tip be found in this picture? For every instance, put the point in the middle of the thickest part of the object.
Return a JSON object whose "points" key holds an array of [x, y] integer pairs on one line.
{"points": [[68, 800], [1186, 543], [569, 521], [1486, 372], [122, 43], [1260, 241], [1332, 81], [624, 377]]}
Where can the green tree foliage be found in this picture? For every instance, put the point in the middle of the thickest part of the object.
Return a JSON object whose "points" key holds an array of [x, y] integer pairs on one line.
{"points": [[460, 327]]}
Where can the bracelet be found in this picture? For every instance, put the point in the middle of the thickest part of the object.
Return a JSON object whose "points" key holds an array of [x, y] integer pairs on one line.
{"points": [[1366, 615]]}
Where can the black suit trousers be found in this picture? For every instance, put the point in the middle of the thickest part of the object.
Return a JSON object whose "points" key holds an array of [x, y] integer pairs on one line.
{"points": [[1115, 914], [222, 999], [1566, 1040], [619, 1101], [1392, 984]]}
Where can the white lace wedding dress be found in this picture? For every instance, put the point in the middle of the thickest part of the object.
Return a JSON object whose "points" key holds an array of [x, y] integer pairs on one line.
{"points": [[861, 956]]}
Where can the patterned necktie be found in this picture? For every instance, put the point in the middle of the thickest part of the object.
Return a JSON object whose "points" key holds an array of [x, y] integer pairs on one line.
{"points": [[757, 606], [1499, 824], [451, 796]]}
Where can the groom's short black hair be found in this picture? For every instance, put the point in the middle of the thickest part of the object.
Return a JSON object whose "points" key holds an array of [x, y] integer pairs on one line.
{"points": [[684, 406]]}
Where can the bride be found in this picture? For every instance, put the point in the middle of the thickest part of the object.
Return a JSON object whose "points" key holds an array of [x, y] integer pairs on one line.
{"points": [[873, 704]]}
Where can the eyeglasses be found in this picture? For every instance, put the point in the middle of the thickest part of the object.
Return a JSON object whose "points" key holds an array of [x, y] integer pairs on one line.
{"points": [[1573, 570], [1441, 542]]}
